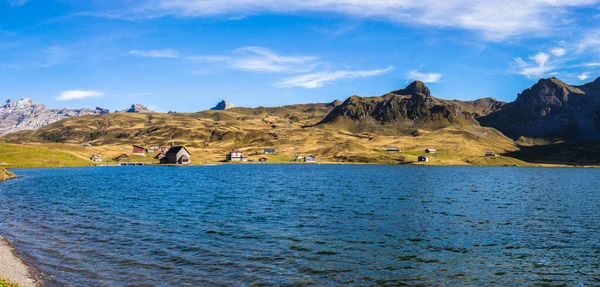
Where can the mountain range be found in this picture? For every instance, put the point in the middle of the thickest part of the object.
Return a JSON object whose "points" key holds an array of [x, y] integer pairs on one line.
{"points": [[551, 114], [26, 114]]}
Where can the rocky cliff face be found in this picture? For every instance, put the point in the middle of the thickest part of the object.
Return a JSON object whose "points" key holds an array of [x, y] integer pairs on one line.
{"points": [[25, 114], [223, 105], [551, 109]]}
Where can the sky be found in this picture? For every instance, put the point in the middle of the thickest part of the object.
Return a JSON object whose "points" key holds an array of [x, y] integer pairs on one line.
{"points": [[187, 55]]}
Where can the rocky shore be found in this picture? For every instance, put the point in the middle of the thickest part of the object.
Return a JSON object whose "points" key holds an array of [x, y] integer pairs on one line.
{"points": [[13, 269], [5, 174]]}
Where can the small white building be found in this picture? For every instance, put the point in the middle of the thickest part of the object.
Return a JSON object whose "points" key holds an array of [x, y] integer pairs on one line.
{"points": [[153, 149], [310, 159], [430, 150], [235, 155], [490, 153], [96, 158]]}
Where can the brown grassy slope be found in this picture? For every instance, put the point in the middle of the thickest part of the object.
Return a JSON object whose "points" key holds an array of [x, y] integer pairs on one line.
{"points": [[209, 135]]}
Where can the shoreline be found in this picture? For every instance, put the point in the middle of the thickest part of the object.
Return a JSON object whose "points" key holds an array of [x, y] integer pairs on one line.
{"points": [[534, 165], [15, 269]]}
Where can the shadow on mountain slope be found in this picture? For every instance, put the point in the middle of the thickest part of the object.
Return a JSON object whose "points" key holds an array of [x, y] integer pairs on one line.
{"points": [[570, 153]]}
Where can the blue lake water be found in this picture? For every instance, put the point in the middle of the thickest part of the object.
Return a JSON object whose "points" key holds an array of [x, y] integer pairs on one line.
{"points": [[299, 225]]}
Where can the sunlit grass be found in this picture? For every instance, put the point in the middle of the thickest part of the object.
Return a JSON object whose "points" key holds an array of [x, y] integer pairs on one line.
{"points": [[21, 156], [6, 283]]}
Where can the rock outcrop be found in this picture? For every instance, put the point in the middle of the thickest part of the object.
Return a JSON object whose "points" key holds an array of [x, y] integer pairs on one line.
{"points": [[5, 174], [551, 109], [25, 114], [138, 108], [405, 110], [223, 105]]}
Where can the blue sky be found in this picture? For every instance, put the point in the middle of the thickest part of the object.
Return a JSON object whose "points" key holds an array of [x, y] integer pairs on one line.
{"points": [[186, 55]]}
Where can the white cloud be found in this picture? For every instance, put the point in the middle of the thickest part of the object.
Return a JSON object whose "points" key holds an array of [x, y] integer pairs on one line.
{"points": [[77, 95], [260, 59], [166, 53], [538, 65], [495, 19], [317, 80], [424, 77], [558, 52], [584, 76]]}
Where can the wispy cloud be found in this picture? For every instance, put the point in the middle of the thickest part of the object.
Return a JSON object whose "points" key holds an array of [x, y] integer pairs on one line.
{"points": [[424, 77], [77, 95], [336, 30], [558, 52], [590, 41], [494, 19], [584, 76], [537, 66], [15, 3], [260, 59], [317, 80], [54, 56], [165, 53]]}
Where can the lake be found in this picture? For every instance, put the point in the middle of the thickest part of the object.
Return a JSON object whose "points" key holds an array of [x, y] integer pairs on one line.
{"points": [[299, 225]]}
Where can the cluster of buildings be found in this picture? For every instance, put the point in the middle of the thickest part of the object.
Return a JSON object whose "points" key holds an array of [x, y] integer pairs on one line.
{"points": [[179, 155], [171, 155], [238, 156], [425, 157], [166, 155]]}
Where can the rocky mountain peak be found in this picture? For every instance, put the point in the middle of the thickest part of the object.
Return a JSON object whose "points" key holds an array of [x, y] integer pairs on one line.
{"points": [[414, 88], [551, 109], [26, 114], [138, 108], [548, 92], [223, 105], [8, 104]]}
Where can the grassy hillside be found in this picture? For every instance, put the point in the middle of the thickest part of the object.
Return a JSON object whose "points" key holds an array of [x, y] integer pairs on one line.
{"points": [[209, 135], [6, 283], [36, 155]]}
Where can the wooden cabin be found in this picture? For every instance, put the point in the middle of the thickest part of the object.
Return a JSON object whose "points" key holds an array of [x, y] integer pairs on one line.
{"points": [[122, 157], [177, 155], [430, 150], [138, 150], [423, 158]]}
